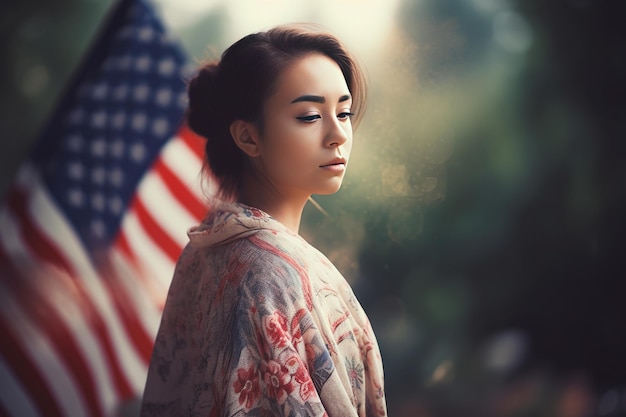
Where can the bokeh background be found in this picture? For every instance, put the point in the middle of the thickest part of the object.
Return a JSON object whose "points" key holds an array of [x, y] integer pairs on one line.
{"points": [[482, 220]]}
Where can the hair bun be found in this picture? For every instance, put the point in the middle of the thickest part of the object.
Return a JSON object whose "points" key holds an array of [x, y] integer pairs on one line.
{"points": [[202, 91]]}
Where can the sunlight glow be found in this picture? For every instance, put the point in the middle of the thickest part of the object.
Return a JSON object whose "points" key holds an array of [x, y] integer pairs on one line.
{"points": [[362, 24]]}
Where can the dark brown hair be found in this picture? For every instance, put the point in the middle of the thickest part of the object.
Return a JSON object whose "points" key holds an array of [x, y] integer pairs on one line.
{"points": [[237, 86]]}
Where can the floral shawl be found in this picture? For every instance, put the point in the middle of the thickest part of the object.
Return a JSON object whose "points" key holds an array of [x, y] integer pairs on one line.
{"points": [[259, 323]]}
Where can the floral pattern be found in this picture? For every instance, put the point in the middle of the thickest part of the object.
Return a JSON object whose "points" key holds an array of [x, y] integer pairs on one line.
{"points": [[259, 323]]}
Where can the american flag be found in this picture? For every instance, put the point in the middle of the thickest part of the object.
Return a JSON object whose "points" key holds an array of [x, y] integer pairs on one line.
{"points": [[93, 225]]}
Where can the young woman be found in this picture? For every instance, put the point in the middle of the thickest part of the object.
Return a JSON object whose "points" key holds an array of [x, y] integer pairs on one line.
{"points": [[257, 321]]}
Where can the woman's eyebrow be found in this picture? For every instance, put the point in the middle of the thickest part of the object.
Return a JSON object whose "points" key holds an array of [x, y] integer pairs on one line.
{"points": [[309, 97], [319, 99]]}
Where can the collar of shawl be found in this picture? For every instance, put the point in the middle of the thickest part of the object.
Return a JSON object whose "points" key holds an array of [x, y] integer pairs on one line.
{"points": [[230, 221]]}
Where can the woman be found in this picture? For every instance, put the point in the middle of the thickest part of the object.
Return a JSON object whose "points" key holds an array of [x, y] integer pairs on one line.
{"points": [[257, 321]]}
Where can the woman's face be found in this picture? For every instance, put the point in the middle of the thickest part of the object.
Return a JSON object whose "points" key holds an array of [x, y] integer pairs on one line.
{"points": [[307, 135]]}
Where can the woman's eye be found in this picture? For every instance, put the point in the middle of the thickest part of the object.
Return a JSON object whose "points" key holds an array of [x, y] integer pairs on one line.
{"points": [[310, 118], [345, 115]]}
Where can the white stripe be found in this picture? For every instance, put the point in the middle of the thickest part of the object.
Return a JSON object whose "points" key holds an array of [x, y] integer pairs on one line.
{"points": [[148, 305], [156, 262], [54, 286], [15, 400], [186, 165], [53, 224], [43, 357], [169, 214]]}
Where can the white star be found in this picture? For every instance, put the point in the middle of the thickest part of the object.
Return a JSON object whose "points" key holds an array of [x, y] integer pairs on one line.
{"points": [[116, 177], [98, 201], [98, 227], [98, 147], [142, 64], [123, 63], [75, 197], [159, 127], [74, 143], [117, 148], [118, 120], [99, 91], [98, 119], [146, 33], [166, 67], [116, 205], [164, 97], [75, 170], [138, 152], [120, 92], [139, 121], [98, 175], [140, 93]]}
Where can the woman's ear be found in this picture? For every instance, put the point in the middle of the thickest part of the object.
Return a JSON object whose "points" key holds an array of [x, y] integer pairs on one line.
{"points": [[246, 137]]}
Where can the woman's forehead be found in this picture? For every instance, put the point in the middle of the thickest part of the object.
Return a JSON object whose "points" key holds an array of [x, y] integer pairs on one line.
{"points": [[312, 74]]}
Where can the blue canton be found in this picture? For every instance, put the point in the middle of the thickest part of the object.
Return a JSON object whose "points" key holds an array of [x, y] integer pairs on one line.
{"points": [[127, 103]]}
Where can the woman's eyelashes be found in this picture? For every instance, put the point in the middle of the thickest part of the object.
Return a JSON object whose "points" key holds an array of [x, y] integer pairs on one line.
{"points": [[309, 118], [313, 117]]}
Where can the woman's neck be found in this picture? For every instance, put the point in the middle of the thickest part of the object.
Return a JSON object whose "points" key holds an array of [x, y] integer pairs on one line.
{"points": [[262, 195]]}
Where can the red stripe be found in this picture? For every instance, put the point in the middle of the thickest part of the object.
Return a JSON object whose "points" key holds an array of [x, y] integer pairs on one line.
{"points": [[52, 325], [124, 305], [180, 190], [121, 243], [156, 292], [27, 373], [40, 244], [24, 370], [156, 233], [193, 141], [45, 249]]}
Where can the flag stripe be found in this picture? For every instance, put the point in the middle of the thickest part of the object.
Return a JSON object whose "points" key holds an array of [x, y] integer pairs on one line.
{"points": [[14, 399], [60, 337], [32, 359], [157, 263], [187, 167], [56, 297], [165, 209], [193, 141], [182, 193], [125, 307], [45, 251], [122, 357], [93, 226], [155, 232], [148, 306], [44, 248], [141, 273], [26, 372]]}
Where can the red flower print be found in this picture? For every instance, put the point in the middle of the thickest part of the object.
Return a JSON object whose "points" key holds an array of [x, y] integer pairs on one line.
{"points": [[292, 364], [307, 389], [278, 381], [253, 212], [247, 386], [256, 212], [276, 329], [302, 377]]}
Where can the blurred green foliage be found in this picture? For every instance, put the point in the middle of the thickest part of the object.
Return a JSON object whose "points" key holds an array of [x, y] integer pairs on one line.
{"points": [[481, 223]]}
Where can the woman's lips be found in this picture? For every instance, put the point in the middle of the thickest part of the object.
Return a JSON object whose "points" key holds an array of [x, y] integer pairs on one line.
{"points": [[336, 165]]}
